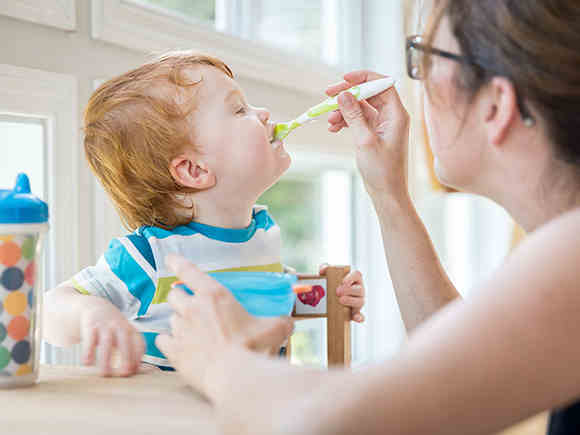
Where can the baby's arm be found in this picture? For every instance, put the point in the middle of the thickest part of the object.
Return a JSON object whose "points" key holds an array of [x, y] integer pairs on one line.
{"points": [[71, 317]]}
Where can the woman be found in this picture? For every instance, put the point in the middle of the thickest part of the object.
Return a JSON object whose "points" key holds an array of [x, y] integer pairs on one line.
{"points": [[502, 92]]}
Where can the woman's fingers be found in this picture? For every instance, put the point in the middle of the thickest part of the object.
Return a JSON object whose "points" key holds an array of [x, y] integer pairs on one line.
{"points": [[269, 333], [180, 301], [167, 345], [337, 88], [356, 117], [358, 317], [178, 325], [351, 79], [361, 76], [335, 117], [335, 128], [194, 278]]}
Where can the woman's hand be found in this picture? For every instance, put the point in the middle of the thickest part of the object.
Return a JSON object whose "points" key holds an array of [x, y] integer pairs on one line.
{"points": [[205, 327], [381, 130]]}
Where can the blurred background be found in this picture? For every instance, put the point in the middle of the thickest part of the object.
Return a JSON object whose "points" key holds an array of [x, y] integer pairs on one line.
{"points": [[284, 54]]}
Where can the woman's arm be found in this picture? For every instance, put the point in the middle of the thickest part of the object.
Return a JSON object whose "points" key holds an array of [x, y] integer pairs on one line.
{"points": [[474, 368], [486, 363], [381, 131], [421, 285]]}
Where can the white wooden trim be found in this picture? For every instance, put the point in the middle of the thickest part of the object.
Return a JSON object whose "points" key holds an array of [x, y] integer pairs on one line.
{"points": [[55, 13], [53, 98], [132, 26]]}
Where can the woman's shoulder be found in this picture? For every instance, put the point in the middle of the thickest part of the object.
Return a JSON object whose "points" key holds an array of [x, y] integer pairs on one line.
{"points": [[549, 256], [561, 233]]}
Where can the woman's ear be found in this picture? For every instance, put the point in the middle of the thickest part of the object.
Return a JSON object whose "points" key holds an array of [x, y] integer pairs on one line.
{"points": [[189, 171], [502, 110]]}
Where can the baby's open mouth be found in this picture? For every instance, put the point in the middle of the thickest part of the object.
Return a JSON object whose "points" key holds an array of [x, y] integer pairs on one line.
{"points": [[276, 143]]}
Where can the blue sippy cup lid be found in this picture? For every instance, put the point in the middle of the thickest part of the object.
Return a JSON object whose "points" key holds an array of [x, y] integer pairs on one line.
{"points": [[19, 206]]}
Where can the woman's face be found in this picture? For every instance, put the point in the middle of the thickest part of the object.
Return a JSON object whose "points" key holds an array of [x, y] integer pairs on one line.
{"points": [[454, 136]]}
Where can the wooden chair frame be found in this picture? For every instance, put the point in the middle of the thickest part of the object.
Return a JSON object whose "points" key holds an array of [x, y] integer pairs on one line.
{"points": [[337, 318]]}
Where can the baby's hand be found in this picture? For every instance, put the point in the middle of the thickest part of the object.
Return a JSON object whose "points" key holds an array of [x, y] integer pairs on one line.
{"points": [[105, 329], [351, 293]]}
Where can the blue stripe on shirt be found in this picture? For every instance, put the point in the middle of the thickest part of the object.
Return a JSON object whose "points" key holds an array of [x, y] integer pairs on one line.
{"points": [[150, 348], [143, 247], [260, 220], [128, 270]]}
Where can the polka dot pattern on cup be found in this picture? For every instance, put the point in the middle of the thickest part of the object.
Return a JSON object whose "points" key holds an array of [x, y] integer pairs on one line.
{"points": [[4, 357], [12, 278], [21, 352], [17, 279], [10, 253], [18, 328], [15, 303]]}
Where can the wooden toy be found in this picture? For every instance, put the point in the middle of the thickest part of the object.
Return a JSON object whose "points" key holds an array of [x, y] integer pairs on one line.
{"points": [[316, 298]]}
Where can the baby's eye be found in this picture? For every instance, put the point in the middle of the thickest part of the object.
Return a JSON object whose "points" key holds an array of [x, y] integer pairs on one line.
{"points": [[241, 110]]}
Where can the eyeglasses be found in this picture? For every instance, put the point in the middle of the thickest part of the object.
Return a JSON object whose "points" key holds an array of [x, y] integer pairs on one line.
{"points": [[415, 51]]}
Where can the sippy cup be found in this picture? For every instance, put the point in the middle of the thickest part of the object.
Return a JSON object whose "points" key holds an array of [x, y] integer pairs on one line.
{"points": [[23, 220]]}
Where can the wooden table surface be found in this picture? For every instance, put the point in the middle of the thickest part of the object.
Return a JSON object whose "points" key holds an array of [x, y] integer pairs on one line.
{"points": [[75, 401]]}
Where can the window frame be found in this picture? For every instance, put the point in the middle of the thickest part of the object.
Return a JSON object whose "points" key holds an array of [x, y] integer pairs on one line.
{"points": [[127, 24], [54, 13], [52, 97], [308, 162]]}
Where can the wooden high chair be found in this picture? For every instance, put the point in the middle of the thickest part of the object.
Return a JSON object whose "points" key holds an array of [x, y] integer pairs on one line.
{"points": [[337, 316]]}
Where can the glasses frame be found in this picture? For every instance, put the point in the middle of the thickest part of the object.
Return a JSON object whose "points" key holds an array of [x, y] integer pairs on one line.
{"points": [[416, 42]]}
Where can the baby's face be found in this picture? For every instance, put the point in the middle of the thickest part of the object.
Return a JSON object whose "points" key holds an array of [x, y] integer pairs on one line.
{"points": [[234, 137]]}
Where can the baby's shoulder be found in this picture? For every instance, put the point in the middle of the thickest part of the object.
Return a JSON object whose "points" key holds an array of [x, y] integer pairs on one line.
{"points": [[134, 245]]}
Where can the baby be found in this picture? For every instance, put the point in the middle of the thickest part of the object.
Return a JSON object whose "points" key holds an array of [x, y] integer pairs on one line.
{"points": [[184, 158]]}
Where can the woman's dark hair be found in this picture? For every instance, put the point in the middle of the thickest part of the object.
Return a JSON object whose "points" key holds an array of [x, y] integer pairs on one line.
{"points": [[535, 44]]}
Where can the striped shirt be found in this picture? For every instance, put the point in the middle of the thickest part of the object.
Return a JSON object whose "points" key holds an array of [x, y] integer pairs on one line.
{"points": [[133, 276]]}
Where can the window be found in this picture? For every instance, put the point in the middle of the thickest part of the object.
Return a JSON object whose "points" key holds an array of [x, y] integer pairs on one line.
{"points": [[26, 139], [292, 45], [297, 26], [314, 212], [472, 235], [293, 26], [197, 10], [39, 136]]}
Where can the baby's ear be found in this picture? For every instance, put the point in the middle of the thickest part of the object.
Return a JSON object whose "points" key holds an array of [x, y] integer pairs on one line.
{"points": [[188, 171]]}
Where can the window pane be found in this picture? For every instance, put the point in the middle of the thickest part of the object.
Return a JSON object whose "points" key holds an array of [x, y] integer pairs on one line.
{"points": [[22, 142], [314, 213], [294, 26], [202, 10], [295, 205], [309, 343]]}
